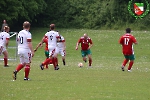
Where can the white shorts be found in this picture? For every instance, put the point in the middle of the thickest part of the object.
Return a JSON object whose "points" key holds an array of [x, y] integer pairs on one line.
{"points": [[2, 49], [25, 55], [51, 52], [60, 51]]}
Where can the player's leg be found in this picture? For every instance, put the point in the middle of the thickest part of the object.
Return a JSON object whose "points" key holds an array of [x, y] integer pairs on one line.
{"points": [[28, 58], [132, 58], [89, 57], [47, 56], [5, 53], [125, 62], [51, 54], [19, 67], [83, 53], [56, 56], [63, 54]]}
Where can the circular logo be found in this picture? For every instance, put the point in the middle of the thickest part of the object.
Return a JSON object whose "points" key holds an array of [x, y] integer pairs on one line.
{"points": [[138, 9]]}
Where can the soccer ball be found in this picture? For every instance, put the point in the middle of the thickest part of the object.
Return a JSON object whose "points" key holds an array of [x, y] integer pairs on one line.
{"points": [[80, 64]]}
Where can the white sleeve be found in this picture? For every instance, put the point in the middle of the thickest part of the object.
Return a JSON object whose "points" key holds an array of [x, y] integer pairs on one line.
{"points": [[8, 36], [29, 36]]}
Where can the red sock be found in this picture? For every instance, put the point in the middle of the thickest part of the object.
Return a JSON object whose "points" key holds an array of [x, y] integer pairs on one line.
{"points": [[54, 62], [19, 67], [46, 62], [130, 65], [5, 61], [90, 62], [46, 66], [27, 70], [125, 62], [51, 62]]}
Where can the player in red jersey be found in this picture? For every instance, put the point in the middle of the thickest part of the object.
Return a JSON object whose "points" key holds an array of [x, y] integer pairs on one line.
{"points": [[46, 49], [85, 47], [127, 41]]}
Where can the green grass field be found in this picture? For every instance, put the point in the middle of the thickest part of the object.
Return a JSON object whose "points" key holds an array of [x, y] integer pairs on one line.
{"points": [[105, 81]]}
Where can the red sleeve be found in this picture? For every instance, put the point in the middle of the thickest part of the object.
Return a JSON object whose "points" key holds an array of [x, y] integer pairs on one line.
{"points": [[121, 40], [79, 41], [29, 40], [134, 40], [58, 37], [91, 41], [7, 38], [45, 40], [45, 36], [63, 40]]}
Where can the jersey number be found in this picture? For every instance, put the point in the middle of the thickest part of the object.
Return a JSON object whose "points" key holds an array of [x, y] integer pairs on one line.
{"points": [[21, 40], [126, 41], [51, 37]]}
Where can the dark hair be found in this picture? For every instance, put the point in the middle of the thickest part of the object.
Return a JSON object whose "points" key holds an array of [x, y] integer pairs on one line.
{"points": [[128, 30]]}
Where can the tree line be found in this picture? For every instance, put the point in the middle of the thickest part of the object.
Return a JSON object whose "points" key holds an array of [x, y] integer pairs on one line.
{"points": [[93, 14]]}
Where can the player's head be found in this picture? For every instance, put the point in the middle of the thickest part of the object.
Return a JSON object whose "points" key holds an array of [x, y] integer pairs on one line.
{"points": [[4, 21], [6, 28], [128, 30], [52, 26], [85, 36], [26, 25]]}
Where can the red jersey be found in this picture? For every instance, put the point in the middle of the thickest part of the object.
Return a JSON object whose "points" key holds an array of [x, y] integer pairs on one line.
{"points": [[85, 43], [127, 41], [46, 44]]}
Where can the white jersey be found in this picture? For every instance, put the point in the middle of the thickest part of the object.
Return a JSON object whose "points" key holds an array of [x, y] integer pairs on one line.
{"points": [[23, 36], [61, 44], [3, 37], [52, 39]]}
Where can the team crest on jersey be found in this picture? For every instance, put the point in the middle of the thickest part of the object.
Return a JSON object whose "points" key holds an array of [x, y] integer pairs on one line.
{"points": [[138, 9]]}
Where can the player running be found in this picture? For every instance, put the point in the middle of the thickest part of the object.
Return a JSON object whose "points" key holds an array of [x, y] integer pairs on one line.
{"points": [[53, 38], [46, 49], [127, 41], [60, 49], [25, 51], [85, 47], [4, 40]]}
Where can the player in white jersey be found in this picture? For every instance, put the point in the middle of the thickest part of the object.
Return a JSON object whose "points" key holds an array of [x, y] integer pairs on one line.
{"points": [[60, 49], [25, 50], [53, 37], [4, 40]]}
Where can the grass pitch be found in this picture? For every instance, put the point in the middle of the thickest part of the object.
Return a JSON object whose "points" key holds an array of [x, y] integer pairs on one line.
{"points": [[104, 80]]}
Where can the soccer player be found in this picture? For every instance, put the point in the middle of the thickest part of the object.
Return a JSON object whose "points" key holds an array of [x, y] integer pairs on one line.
{"points": [[46, 49], [127, 41], [60, 49], [4, 40], [53, 38], [86, 44], [25, 51]]}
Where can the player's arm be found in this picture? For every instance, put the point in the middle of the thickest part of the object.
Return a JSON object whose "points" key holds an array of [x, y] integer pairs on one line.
{"points": [[64, 44], [30, 46], [91, 44], [134, 40], [77, 44], [121, 41], [40, 44], [7, 42]]}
